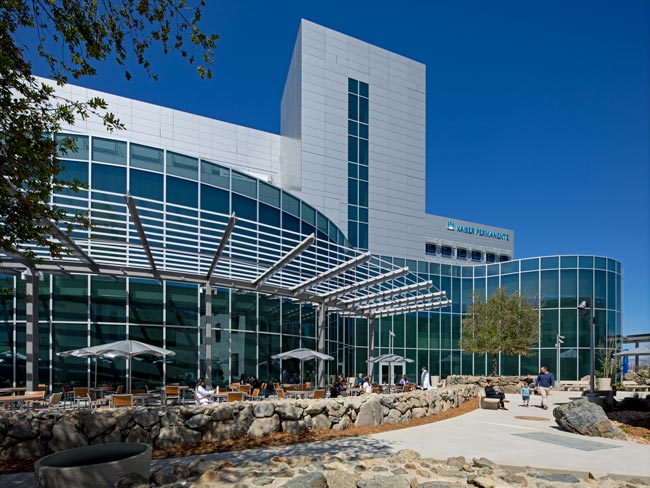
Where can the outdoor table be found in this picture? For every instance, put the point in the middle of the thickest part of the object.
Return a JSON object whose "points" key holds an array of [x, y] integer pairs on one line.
{"points": [[353, 391], [12, 391], [299, 393], [19, 399], [142, 398], [102, 391]]}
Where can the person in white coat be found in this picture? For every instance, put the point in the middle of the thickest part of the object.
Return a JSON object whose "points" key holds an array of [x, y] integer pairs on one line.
{"points": [[203, 396], [424, 379]]}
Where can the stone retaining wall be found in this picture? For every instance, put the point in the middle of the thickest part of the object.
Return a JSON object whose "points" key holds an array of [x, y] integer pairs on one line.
{"points": [[507, 384], [31, 435]]}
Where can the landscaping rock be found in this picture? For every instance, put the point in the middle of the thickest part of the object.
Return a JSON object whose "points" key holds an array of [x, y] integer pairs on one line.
{"points": [[583, 417]]}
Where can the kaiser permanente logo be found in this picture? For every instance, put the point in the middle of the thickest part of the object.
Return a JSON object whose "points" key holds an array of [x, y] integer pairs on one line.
{"points": [[477, 231]]}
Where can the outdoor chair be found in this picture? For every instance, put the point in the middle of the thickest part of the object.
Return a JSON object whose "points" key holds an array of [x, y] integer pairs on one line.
{"points": [[263, 389], [80, 394], [119, 389], [235, 396], [308, 385], [253, 396], [122, 401], [94, 402], [172, 393], [68, 395], [319, 393], [35, 398], [279, 392], [245, 388], [55, 401]]}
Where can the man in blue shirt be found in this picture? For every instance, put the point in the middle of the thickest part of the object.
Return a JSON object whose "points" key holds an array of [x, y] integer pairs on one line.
{"points": [[544, 383]]}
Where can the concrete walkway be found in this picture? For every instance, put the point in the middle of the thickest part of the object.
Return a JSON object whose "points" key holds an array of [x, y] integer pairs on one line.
{"points": [[505, 437]]}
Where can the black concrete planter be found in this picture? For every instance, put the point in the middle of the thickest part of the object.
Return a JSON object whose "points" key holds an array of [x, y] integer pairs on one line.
{"points": [[97, 465]]}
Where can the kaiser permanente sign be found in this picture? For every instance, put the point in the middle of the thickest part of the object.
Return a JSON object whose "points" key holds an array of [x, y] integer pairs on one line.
{"points": [[477, 231]]}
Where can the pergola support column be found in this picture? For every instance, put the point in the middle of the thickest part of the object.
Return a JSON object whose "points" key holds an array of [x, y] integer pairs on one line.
{"points": [[31, 330], [371, 345], [322, 327], [208, 335]]}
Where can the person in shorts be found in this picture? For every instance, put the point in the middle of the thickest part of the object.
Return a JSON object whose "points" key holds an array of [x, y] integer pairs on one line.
{"points": [[525, 394]]}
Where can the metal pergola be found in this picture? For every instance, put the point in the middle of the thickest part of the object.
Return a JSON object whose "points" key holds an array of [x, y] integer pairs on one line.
{"points": [[140, 238]]}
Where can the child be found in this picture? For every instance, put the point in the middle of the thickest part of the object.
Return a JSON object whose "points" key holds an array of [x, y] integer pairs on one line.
{"points": [[525, 394]]}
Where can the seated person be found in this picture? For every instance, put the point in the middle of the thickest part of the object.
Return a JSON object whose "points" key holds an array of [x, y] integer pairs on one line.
{"points": [[254, 382], [203, 396], [340, 382], [490, 392], [367, 386], [359, 383], [404, 380]]}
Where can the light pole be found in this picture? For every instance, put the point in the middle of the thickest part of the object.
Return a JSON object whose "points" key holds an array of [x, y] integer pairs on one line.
{"points": [[558, 340], [586, 310]]}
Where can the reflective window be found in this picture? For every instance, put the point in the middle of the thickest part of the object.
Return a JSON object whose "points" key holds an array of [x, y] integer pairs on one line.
{"points": [[145, 302], [569, 261], [461, 253], [244, 184], [477, 255], [213, 174], [109, 151], [243, 207], [308, 214], [146, 184], [182, 192], [353, 107], [215, 199], [353, 86], [81, 146], [107, 299], [446, 251], [183, 166], [363, 110], [290, 204], [182, 304], [109, 178], [490, 257], [70, 294], [146, 157], [269, 194], [363, 89]]}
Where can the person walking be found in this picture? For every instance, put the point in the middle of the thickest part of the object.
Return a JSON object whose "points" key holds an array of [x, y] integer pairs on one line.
{"points": [[543, 384], [425, 379]]}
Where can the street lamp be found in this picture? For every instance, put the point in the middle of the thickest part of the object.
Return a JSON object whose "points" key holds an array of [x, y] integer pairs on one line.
{"points": [[586, 310], [559, 339]]}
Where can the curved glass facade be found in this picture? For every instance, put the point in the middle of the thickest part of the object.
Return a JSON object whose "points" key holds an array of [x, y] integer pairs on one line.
{"points": [[248, 328]]}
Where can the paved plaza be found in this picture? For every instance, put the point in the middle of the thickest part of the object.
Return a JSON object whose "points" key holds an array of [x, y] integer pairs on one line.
{"points": [[519, 436]]}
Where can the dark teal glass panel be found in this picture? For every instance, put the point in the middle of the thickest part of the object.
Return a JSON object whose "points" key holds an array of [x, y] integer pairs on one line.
{"points": [[569, 327], [492, 285], [243, 207], [184, 367], [182, 192], [585, 285], [479, 271], [363, 131], [353, 86], [289, 222], [363, 193], [109, 178], [363, 110], [269, 320], [74, 170], [530, 364], [510, 267], [353, 170], [269, 216], [569, 261], [509, 365], [600, 294], [363, 89], [353, 149], [146, 157], [80, 151], [215, 200], [510, 283], [109, 151], [243, 311], [182, 304], [353, 195], [600, 263], [146, 184], [568, 365], [569, 288], [549, 293], [107, 299], [145, 302], [290, 318], [353, 107], [363, 214], [290, 204], [493, 269], [530, 264], [215, 175], [66, 336], [363, 152], [244, 184], [363, 173], [147, 372], [530, 286], [611, 265], [183, 166], [611, 291], [308, 214], [269, 194], [70, 296], [353, 128], [586, 261], [550, 263]]}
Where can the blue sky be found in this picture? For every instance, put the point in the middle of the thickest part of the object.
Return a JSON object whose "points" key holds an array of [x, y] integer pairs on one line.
{"points": [[538, 114]]}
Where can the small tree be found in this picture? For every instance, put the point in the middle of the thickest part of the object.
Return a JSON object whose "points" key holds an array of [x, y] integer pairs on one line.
{"points": [[502, 324]]}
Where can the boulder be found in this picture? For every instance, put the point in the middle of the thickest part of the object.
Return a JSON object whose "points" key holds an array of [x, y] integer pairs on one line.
{"points": [[309, 480], [370, 413], [98, 423], [264, 409], [264, 426], [177, 436], [583, 417], [198, 421], [321, 422], [138, 434], [22, 451], [145, 418], [287, 411], [66, 436]]}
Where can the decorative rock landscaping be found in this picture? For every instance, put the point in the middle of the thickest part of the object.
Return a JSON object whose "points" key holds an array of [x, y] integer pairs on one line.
{"points": [[405, 469], [506, 384], [31, 435]]}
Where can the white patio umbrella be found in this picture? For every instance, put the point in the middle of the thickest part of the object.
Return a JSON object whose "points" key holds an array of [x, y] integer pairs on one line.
{"points": [[303, 354], [637, 351], [124, 349]]}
